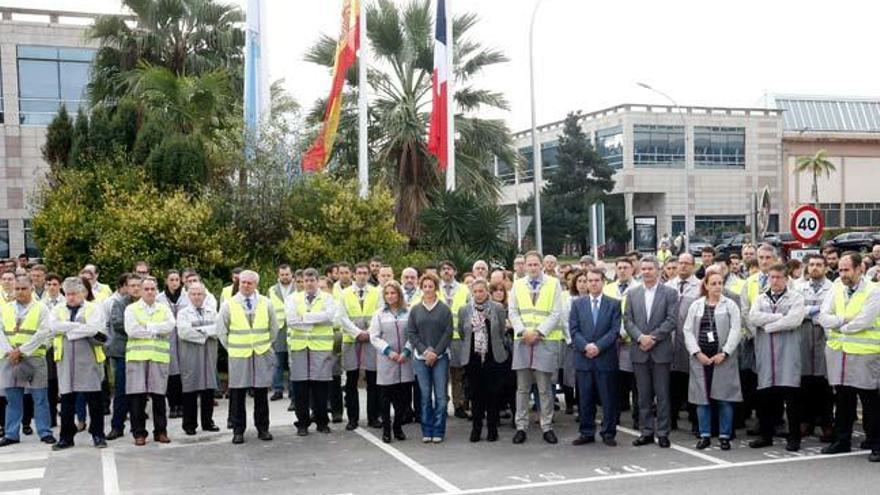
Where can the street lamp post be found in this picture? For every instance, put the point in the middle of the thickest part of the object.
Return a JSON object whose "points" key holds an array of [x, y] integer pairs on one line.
{"points": [[537, 176], [687, 199]]}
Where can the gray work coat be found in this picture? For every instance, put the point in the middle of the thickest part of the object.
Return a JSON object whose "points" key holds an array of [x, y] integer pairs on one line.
{"points": [[388, 334], [777, 339], [78, 369], [174, 365], [197, 346], [725, 377], [255, 371], [147, 377], [687, 294], [812, 333]]}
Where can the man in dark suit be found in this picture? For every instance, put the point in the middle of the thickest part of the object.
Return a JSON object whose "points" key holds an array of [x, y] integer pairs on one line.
{"points": [[650, 320], [594, 322]]}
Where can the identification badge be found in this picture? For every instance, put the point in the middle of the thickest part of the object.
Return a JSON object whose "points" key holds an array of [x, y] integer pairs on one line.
{"points": [[710, 336]]}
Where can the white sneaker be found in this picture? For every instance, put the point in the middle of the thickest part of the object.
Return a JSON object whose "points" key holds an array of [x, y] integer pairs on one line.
{"points": [[426, 439], [437, 439]]}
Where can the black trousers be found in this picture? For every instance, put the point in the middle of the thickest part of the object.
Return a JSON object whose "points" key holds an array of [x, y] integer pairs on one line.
{"points": [[95, 404], [678, 389], [137, 404], [53, 401], [568, 393], [817, 398], [336, 395], [238, 409], [770, 402], [27, 414], [487, 383], [352, 401], [748, 380], [395, 395], [2, 412], [845, 416], [174, 392], [628, 396], [314, 393], [190, 409]]}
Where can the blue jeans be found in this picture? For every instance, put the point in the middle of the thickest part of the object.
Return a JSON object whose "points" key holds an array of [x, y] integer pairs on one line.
{"points": [[15, 410], [278, 376], [432, 384], [120, 400], [725, 419]]}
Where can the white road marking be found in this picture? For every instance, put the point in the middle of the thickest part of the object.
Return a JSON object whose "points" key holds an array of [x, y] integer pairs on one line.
{"points": [[30, 491], [22, 474], [662, 472], [23, 457], [108, 472], [409, 462], [679, 448]]}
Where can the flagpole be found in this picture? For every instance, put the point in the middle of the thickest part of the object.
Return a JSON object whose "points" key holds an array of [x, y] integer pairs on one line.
{"points": [[450, 102], [363, 156]]}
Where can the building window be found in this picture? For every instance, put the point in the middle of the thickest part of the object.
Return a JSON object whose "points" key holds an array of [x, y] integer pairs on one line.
{"points": [[862, 214], [830, 213], [30, 246], [713, 227], [719, 147], [677, 224], [506, 174], [658, 146], [609, 144], [49, 77], [4, 238]]}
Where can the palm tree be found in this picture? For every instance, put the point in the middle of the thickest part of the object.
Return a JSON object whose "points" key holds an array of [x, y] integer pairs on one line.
{"points": [[817, 164], [188, 37], [401, 41]]}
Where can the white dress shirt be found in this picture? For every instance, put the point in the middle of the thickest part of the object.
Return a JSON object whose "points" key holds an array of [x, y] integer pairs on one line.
{"points": [[649, 300]]}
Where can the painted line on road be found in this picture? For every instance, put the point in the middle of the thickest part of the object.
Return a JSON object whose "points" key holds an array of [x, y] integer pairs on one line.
{"points": [[681, 449], [30, 491], [648, 474], [409, 462], [108, 471], [23, 457], [22, 474]]}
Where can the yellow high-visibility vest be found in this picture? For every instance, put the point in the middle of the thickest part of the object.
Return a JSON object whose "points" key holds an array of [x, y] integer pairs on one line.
{"points": [[358, 315], [155, 350], [866, 341], [610, 290], [278, 304], [459, 300], [226, 294], [534, 314], [26, 329], [63, 314], [245, 339], [753, 287], [320, 338], [736, 285]]}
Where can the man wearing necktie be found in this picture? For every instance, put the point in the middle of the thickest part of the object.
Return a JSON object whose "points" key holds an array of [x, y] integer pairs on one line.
{"points": [[627, 393], [851, 318], [246, 326], [456, 296], [687, 286], [357, 305]]}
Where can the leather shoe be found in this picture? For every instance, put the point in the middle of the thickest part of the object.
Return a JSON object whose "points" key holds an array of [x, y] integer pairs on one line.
{"points": [[114, 434], [376, 424], [351, 426], [211, 428], [725, 444], [264, 436], [99, 442], [703, 443], [643, 440], [792, 446], [550, 437], [5, 442], [48, 440], [139, 441], [663, 442], [324, 429], [292, 407], [190, 432], [162, 438], [302, 432], [238, 439], [62, 445], [836, 448], [875, 456], [386, 437], [399, 435], [610, 442], [492, 435], [27, 430], [761, 443], [475, 436], [519, 437], [460, 413], [583, 440], [276, 396]]}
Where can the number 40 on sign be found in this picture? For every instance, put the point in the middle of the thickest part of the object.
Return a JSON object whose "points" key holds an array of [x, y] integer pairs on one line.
{"points": [[807, 224]]}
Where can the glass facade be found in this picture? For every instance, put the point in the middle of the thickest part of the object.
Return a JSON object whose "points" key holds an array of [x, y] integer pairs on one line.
{"points": [[609, 145], [4, 238], [549, 160], [862, 214], [719, 147], [48, 77], [830, 213], [677, 224], [30, 246], [712, 226], [506, 174], [658, 146]]}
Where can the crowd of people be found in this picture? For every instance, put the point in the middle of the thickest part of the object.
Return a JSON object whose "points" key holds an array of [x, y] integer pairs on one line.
{"points": [[793, 343]]}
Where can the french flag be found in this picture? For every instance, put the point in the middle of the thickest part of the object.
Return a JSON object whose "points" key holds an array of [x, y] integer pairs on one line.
{"points": [[438, 132]]}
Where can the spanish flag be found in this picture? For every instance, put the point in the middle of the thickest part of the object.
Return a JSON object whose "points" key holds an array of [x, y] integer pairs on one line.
{"points": [[346, 52]]}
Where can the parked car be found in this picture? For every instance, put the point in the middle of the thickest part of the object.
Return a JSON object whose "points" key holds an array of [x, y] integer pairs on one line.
{"points": [[732, 245], [783, 241], [856, 241], [696, 245]]}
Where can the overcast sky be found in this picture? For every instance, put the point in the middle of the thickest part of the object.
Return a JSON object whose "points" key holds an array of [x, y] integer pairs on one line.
{"points": [[590, 54]]}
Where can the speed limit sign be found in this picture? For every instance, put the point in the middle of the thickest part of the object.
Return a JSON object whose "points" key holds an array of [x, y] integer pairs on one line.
{"points": [[807, 224]]}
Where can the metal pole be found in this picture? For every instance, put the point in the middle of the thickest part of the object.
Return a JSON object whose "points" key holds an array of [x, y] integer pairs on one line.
{"points": [[450, 101], [363, 155], [594, 230], [537, 177], [518, 214]]}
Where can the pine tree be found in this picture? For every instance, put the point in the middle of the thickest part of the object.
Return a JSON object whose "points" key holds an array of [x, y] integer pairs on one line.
{"points": [[59, 138]]}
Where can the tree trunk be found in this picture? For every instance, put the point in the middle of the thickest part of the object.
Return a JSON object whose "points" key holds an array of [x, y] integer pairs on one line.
{"points": [[815, 191]]}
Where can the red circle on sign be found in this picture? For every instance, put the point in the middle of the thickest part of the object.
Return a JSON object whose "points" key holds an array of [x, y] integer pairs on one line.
{"points": [[798, 214]]}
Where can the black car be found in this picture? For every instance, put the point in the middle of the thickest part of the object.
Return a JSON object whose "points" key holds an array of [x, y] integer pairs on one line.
{"points": [[732, 245], [856, 241]]}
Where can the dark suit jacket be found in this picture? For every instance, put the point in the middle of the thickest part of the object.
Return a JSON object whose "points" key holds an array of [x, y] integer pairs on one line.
{"points": [[497, 317], [664, 319], [604, 333]]}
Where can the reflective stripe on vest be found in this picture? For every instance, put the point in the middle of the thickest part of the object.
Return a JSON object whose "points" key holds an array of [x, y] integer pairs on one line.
{"points": [[245, 339], [533, 315], [157, 350], [866, 341], [320, 338], [26, 329], [277, 301], [360, 317], [62, 314]]}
